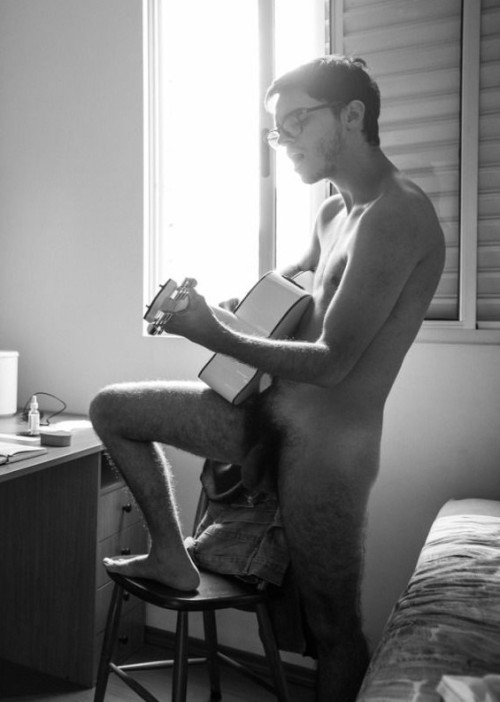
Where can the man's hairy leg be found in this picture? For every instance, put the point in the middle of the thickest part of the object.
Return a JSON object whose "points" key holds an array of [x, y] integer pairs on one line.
{"points": [[131, 419], [323, 501]]}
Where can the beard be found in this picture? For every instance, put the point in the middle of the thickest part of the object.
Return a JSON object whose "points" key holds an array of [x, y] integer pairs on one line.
{"points": [[324, 160]]}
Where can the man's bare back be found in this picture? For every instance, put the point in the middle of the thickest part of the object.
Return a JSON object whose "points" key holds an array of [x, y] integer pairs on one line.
{"points": [[376, 255]]}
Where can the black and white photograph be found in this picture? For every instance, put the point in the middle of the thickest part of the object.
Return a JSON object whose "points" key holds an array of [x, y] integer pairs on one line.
{"points": [[250, 350]]}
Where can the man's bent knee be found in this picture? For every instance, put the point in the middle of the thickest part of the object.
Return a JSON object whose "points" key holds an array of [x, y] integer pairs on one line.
{"points": [[106, 409]]}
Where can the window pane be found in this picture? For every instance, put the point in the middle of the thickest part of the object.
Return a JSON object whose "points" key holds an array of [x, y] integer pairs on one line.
{"points": [[414, 52], [295, 202], [209, 144], [488, 284]]}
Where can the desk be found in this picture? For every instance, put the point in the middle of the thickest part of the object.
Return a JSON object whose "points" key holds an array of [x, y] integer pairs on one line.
{"points": [[60, 513]]}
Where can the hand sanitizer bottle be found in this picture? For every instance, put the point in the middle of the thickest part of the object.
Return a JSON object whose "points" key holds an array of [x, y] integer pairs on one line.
{"points": [[34, 418]]}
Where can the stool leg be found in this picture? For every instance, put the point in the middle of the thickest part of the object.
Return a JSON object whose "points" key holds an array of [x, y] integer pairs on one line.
{"points": [[109, 642], [211, 644], [272, 652], [179, 682]]}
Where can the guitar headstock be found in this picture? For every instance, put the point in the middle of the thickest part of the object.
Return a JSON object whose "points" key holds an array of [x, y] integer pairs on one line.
{"points": [[170, 299]]}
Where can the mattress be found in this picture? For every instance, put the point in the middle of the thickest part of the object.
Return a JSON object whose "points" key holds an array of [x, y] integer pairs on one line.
{"points": [[447, 622]]}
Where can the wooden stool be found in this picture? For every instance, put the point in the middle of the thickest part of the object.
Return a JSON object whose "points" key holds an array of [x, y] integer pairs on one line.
{"points": [[215, 592]]}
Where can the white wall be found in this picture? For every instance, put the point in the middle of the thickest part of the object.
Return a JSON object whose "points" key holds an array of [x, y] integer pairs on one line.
{"points": [[441, 441], [71, 218]]}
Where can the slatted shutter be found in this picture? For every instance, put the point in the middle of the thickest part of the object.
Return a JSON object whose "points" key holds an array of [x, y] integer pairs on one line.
{"points": [[488, 299], [413, 49]]}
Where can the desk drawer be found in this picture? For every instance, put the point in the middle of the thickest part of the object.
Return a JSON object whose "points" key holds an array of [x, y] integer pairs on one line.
{"points": [[128, 541], [103, 600], [130, 637], [117, 511]]}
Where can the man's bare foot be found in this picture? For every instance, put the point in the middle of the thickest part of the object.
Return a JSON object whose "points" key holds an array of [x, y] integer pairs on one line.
{"points": [[181, 575]]}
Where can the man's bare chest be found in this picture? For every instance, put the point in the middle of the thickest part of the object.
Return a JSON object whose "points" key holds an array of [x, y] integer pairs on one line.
{"points": [[336, 247], [328, 275]]}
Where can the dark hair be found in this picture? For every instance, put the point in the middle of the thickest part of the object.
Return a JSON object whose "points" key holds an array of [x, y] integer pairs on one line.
{"points": [[335, 78]]}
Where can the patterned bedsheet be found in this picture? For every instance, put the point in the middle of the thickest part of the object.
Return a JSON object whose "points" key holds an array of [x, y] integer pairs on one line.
{"points": [[447, 621]]}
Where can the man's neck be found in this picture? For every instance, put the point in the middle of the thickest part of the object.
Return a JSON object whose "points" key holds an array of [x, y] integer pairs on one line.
{"points": [[362, 180]]}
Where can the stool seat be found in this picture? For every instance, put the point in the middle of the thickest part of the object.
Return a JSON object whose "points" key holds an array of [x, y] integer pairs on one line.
{"points": [[214, 592]]}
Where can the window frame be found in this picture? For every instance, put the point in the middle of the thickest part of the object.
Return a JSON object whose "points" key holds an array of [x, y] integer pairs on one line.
{"points": [[466, 329], [151, 11], [267, 245], [150, 149]]}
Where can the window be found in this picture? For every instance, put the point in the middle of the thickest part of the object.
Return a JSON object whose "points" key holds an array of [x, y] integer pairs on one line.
{"points": [[488, 211], [214, 212], [221, 215], [206, 129], [296, 204], [438, 68]]}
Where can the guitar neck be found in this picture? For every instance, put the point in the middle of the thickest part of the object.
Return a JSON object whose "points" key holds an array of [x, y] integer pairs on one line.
{"points": [[162, 317]]}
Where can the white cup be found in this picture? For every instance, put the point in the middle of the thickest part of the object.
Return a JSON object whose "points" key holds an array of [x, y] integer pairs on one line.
{"points": [[8, 382]]}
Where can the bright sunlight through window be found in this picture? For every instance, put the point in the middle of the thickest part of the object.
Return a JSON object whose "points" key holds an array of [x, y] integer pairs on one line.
{"points": [[209, 179], [207, 106], [296, 203]]}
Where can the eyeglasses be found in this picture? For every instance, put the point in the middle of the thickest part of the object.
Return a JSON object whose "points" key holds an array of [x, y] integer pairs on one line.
{"points": [[293, 123]]}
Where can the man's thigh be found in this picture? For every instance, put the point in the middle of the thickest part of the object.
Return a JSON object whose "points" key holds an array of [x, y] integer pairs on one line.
{"points": [[186, 415], [323, 504]]}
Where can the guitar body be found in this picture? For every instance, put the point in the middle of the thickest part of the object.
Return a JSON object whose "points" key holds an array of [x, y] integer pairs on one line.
{"points": [[271, 309]]}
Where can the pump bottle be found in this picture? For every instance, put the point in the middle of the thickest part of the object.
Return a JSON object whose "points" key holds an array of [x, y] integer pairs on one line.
{"points": [[34, 418]]}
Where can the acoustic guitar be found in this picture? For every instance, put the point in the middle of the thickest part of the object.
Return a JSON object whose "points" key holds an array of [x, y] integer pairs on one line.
{"points": [[272, 309]]}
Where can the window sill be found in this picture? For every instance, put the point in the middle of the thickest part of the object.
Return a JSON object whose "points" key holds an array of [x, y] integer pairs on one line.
{"points": [[430, 333], [456, 333]]}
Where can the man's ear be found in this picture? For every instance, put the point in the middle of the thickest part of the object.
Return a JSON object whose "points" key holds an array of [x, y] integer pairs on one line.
{"points": [[355, 113]]}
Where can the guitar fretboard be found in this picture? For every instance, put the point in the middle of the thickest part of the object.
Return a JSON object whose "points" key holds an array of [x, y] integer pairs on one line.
{"points": [[162, 317]]}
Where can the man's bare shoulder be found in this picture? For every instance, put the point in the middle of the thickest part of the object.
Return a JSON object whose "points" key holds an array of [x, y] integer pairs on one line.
{"points": [[327, 212], [403, 215]]}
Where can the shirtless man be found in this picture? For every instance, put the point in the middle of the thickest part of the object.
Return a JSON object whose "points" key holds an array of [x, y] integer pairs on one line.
{"points": [[377, 254]]}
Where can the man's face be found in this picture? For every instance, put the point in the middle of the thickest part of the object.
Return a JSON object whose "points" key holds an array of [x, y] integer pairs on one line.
{"points": [[317, 150]]}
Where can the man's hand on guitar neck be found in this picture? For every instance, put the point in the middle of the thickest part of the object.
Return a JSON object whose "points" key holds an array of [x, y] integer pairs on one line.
{"points": [[198, 322], [230, 304]]}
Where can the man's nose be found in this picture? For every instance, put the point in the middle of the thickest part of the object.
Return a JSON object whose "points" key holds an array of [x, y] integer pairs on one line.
{"points": [[285, 138]]}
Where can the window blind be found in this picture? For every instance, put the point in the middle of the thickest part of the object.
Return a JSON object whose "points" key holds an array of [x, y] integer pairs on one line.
{"points": [[488, 280], [413, 50]]}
